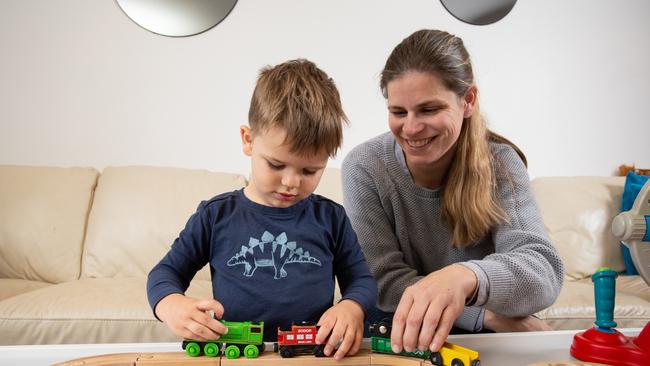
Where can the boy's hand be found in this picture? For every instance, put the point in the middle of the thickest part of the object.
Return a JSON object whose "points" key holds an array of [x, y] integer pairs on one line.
{"points": [[189, 318], [343, 323]]}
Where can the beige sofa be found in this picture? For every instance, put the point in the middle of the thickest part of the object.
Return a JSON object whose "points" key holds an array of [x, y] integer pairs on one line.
{"points": [[76, 246]]}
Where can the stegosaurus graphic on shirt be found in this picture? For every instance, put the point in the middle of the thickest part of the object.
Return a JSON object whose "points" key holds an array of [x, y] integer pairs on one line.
{"points": [[270, 251]]}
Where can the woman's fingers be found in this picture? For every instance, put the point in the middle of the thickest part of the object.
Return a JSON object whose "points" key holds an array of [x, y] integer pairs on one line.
{"points": [[444, 326], [429, 325], [399, 321], [414, 323]]}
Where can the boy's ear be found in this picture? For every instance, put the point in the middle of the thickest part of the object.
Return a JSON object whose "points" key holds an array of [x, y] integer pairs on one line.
{"points": [[246, 140], [470, 101]]}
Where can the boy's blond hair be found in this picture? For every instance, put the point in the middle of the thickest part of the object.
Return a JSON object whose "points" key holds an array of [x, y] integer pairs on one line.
{"points": [[300, 98]]}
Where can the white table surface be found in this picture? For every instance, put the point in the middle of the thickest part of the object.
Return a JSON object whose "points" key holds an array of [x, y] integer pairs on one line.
{"points": [[500, 349]]}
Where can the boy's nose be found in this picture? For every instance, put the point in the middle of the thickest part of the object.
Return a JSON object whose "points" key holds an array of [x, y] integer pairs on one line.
{"points": [[291, 180]]}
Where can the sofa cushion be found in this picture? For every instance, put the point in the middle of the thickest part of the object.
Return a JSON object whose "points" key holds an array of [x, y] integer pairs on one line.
{"points": [[330, 185], [578, 213], [43, 213], [633, 285], [139, 211], [94, 310], [11, 287], [575, 307]]}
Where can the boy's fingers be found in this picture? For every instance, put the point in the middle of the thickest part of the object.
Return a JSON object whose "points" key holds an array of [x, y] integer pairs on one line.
{"points": [[211, 305], [346, 344], [335, 338], [210, 323], [326, 326], [201, 332], [357, 345]]}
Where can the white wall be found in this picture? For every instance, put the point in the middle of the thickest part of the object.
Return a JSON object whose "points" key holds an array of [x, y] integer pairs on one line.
{"points": [[80, 84]]}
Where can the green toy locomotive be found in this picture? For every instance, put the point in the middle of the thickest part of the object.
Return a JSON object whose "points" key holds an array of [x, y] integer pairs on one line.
{"points": [[243, 338]]}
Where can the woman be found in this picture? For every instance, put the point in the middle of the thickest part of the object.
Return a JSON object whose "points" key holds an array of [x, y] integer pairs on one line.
{"points": [[443, 207]]}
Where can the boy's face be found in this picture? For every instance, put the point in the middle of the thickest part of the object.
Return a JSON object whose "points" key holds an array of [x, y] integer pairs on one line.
{"points": [[279, 178]]}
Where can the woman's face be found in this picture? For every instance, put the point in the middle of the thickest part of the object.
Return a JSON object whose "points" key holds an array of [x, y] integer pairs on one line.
{"points": [[425, 117]]}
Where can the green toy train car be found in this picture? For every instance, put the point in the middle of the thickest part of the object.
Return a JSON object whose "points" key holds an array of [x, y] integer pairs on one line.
{"points": [[243, 338], [448, 355]]}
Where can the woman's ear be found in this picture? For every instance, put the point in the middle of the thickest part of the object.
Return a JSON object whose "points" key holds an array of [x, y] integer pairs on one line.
{"points": [[246, 140], [470, 101]]}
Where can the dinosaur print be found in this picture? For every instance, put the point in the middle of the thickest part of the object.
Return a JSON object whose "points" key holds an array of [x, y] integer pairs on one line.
{"points": [[270, 251]]}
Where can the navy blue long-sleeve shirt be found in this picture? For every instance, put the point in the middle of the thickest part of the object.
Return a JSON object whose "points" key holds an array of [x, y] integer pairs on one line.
{"points": [[271, 264]]}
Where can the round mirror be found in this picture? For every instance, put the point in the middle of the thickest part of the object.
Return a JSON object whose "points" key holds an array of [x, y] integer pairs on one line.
{"points": [[480, 12], [177, 18]]}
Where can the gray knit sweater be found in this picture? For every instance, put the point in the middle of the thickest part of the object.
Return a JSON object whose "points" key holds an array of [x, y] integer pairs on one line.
{"points": [[400, 231]]}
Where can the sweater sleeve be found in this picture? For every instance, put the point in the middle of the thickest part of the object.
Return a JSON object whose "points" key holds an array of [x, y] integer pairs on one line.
{"points": [[371, 219], [355, 280], [188, 253], [525, 266]]}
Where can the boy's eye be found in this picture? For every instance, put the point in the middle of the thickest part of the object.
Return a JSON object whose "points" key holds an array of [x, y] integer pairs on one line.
{"points": [[309, 172], [275, 166]]}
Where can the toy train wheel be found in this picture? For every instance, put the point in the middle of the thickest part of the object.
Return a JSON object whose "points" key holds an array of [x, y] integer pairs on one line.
{"points": [[251, 351], [211, 350], [384, 328], [476, 363], [286, 352], [193, 349], [457, 362], [319, 351], [436, 358], [232, 351]]}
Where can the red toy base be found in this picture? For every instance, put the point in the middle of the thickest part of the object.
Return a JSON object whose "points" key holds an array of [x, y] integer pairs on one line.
{"points": [[594, 345]]}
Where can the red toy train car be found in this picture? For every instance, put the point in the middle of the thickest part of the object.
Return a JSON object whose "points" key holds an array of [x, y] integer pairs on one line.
{"points": [[299, 340]]}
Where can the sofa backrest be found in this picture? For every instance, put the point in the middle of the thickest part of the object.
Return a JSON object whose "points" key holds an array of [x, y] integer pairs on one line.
{"points": [[578, 213], [330, 185], [137, 213], [43, 213]]}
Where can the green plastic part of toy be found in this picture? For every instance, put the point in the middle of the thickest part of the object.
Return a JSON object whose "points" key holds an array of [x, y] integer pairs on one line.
{"points": [[232, 352], [251, 351], [193, 349], [211, 350]]}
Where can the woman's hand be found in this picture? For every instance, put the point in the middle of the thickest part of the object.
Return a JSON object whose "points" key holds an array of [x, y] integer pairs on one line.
{"points": [[342, 326], [500, 323], [189, 318], [428, 308]]}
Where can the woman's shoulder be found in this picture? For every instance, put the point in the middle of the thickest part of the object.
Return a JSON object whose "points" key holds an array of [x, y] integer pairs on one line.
{"points": [[509, 167], [505, 156]]}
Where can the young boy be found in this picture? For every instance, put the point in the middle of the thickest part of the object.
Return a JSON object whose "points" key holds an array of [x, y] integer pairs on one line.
{"points": [[274, 247]]}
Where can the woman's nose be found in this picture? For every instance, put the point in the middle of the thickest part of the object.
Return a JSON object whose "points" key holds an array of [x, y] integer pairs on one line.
{"points": [[411, 125]]}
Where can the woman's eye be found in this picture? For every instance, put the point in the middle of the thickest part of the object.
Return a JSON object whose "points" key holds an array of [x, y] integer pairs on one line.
{"points": [[398, 113], [429, 110], [274, 166]]}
